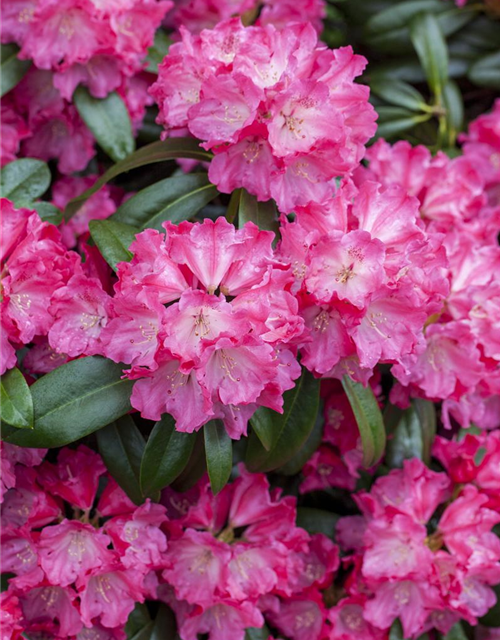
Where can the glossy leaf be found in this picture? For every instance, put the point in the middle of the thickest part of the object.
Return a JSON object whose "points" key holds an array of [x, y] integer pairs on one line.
{"points": [[166, 455], [257, 634], [431, 49], [16, 403], [486, 71], [108, 119], [12, 70], [176, 199], [295, 464], [396, 631], [426, 412], [398, 93], [113, 240], [121, 446], [74, 400], [395, 120], [48, 212], [158, 51], [155, 152], [317, 521], [264, 425], [456, 633], [24, 180], [219, 454], [195, 467], [290, 430], [263, 214], [454, 106], [369, 419], [406, 440]]}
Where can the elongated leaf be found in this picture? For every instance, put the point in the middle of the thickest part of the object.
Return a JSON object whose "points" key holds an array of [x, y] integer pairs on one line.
{"points": [[121, 446], [166, 455], [109, 121], [155, 152], [175, 199], [406, 440], [264, 425], [113, 240], [16, 403], [195, 467], [431, 49], [219, 454], [426, 412], [394, 120], [492, 618], [257, 634], [290, 429], [138, 618], [317, 521], [158, 51], [24, 180], [295, 464], [13, 70], [263, 214], [456, 633], [454, 105], [398, 93], [48, 212], [399, 15], [396, 631], [74, 400], [369, 419], [486, 71]]}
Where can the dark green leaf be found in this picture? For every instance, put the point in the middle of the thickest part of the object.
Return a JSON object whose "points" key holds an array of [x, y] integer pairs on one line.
{"points": [[195, 467], [164, 624], [166, 455], [233, 206], [398, 93], [265, 426], [257, 634], [369, 418], [48, 212], [394, 120], [5, 577], [176, 199], [121, 446], [138, 618], [140, 626], [155, 152], [454, 105], [263, 214], [406, 440], [158, 51], [219, 454], [24, 180], [74, 400], [295, 464], [113, 240], [317, 521], [16, 403], [456, 633], [480, 455], [426, 412], [431, 49], [399, 15], [109, 121], [396, 631], [486, 71], [492, 618], [13, 70], [290, 430]]}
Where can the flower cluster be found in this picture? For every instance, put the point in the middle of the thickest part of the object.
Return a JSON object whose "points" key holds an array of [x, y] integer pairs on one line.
{"points": [[280, 111], [197, 15], [78, 568], [225, 343], [458, 198], [418, 555]]}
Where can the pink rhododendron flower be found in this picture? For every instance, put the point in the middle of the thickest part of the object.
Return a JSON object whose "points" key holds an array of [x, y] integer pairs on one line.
{"points": [[265, 112]]}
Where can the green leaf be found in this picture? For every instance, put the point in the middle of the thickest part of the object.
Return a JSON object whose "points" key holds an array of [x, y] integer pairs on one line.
{"points": [[431, 49], [295, 464], [113, 240], [486, 71], [24, 180], [195, 467], [16, 405], [398, 93], [492, 618], [426, 412], [5, 577], [166, 455], [406, 440], [219, 454], [121, 446], [74, 400], [140, 626], [263, 214], [109, 121], [264, 425], [13, 70], [290, 430], [395, 120], [454, 105], [155, 152], [48, 212], [257, 634], [456, 633], [317, 521], [176, 199], [369, 418], [396, 631], [158, 51]]}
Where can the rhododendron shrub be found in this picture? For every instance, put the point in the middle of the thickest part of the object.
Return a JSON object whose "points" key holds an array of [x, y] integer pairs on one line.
{"points": [[250, 320]]}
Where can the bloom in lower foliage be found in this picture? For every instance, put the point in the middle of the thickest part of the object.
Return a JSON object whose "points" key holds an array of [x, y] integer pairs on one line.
{"points": [[427, 570], [203, 356], [280, 111]]}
